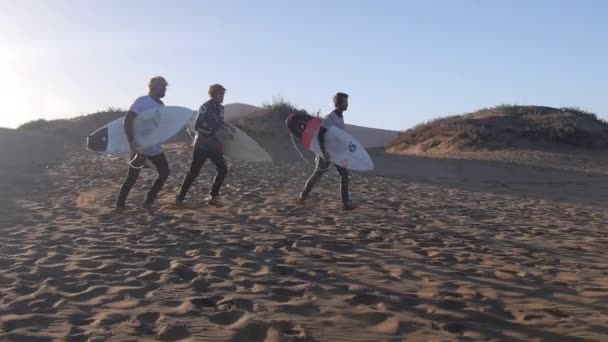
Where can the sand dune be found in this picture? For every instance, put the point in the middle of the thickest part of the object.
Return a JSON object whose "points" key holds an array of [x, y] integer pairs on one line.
{"points": [[423, 259], [371, 137], [234, 111], [23, 158], [24, 149]]}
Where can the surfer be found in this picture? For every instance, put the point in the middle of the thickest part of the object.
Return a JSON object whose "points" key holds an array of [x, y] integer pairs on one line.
{"points": [[207, 145], [157, 87], [335, 118]]}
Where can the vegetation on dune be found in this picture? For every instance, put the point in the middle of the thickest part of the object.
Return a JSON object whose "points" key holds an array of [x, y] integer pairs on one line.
{"points": [[506, 126]]}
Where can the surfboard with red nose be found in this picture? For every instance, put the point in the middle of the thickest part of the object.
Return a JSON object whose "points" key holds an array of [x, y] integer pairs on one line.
{"points": [[344, 150]]}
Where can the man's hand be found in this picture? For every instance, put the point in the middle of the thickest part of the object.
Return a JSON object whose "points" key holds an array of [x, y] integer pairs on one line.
{"points": [[135, 147], [220, 134], [326, 156]]}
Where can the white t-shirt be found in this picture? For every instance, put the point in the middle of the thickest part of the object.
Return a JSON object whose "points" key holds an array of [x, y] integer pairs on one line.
{"points": [[332, 119], [143, 104]]}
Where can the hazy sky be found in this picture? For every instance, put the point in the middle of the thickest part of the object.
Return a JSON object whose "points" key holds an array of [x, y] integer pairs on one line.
{"points": [[403, 62]]}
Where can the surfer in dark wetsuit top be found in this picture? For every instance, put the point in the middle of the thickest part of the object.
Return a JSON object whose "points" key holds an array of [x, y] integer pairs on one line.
{"points": [[296, 125], [209, 120], [156, 90]]}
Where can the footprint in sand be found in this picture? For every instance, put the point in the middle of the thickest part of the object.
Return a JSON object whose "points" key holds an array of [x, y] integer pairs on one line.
{"points": [[365, 299], [276, 331], [88, 199], [451, 305], [245, 283], [146, 322], [283, 270], [173, 331], [384, 323], [471, 331], [89, 294], [557, 313], [75, 334], [248, 264], [12, 322], [306, 310], [254, 331], [235, 304], [199, 284], [80, 319], [149, 276], [205, 302], [220, 271], [497, 307], [393, 271], [228, 318], [182, 271], [284, 294], [44, 303], [108, 320]]}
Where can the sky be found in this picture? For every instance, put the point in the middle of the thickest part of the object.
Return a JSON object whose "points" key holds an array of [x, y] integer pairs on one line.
{"points": [[402, 62]]}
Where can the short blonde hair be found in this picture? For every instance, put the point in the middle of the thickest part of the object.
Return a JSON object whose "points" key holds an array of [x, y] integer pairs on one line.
{"points": [[157, 80], [214, 88]]}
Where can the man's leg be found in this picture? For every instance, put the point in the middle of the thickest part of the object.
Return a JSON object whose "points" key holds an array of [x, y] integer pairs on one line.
{"points": [[321, 167], [198, 160], [162, 167], [128, 184], [343, 172], [221, 172]]}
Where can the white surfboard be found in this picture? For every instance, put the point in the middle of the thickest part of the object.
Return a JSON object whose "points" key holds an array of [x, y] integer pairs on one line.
{"points": [[343, 149], [236, 144], [150, 128]]}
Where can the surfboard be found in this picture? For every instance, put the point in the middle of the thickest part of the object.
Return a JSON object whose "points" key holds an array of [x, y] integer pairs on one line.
{"points": [[344, 150], [236, 144], [150, 128]]}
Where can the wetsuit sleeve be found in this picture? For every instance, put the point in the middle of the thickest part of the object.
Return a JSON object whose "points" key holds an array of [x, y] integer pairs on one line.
{"points": [[220, 122], [201, 122]]}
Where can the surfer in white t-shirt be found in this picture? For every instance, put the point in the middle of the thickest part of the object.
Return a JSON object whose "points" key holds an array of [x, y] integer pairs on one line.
{"points": [[139, 156]]}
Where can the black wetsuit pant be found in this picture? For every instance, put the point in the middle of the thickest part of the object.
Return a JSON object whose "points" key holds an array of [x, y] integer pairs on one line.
{"points": [[162, 167], [322, 166], [199, 157]]}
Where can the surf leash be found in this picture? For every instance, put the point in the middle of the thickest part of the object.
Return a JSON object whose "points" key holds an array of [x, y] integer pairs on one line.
{"points": [[293, 142], [129, 162]]}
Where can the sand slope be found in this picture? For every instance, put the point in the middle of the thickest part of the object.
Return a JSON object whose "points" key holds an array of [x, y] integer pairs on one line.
{"points": [[24, 156], [419, 261]]}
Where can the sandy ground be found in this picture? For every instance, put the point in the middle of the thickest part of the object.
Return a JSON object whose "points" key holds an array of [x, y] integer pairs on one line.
{"points": [[571, 160], [438, 250]]}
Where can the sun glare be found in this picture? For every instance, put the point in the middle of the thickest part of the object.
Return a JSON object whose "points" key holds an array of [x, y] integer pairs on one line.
{"points": [[8, 91], [17, 102]]}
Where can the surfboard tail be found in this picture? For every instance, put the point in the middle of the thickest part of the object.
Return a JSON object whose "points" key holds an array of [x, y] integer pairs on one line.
{"points": [[98, 140]]}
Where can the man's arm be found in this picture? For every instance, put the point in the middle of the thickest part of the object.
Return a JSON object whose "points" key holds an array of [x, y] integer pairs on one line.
{"points": [[325, 125], [220, 122], [128, 126], [321, 137]]}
